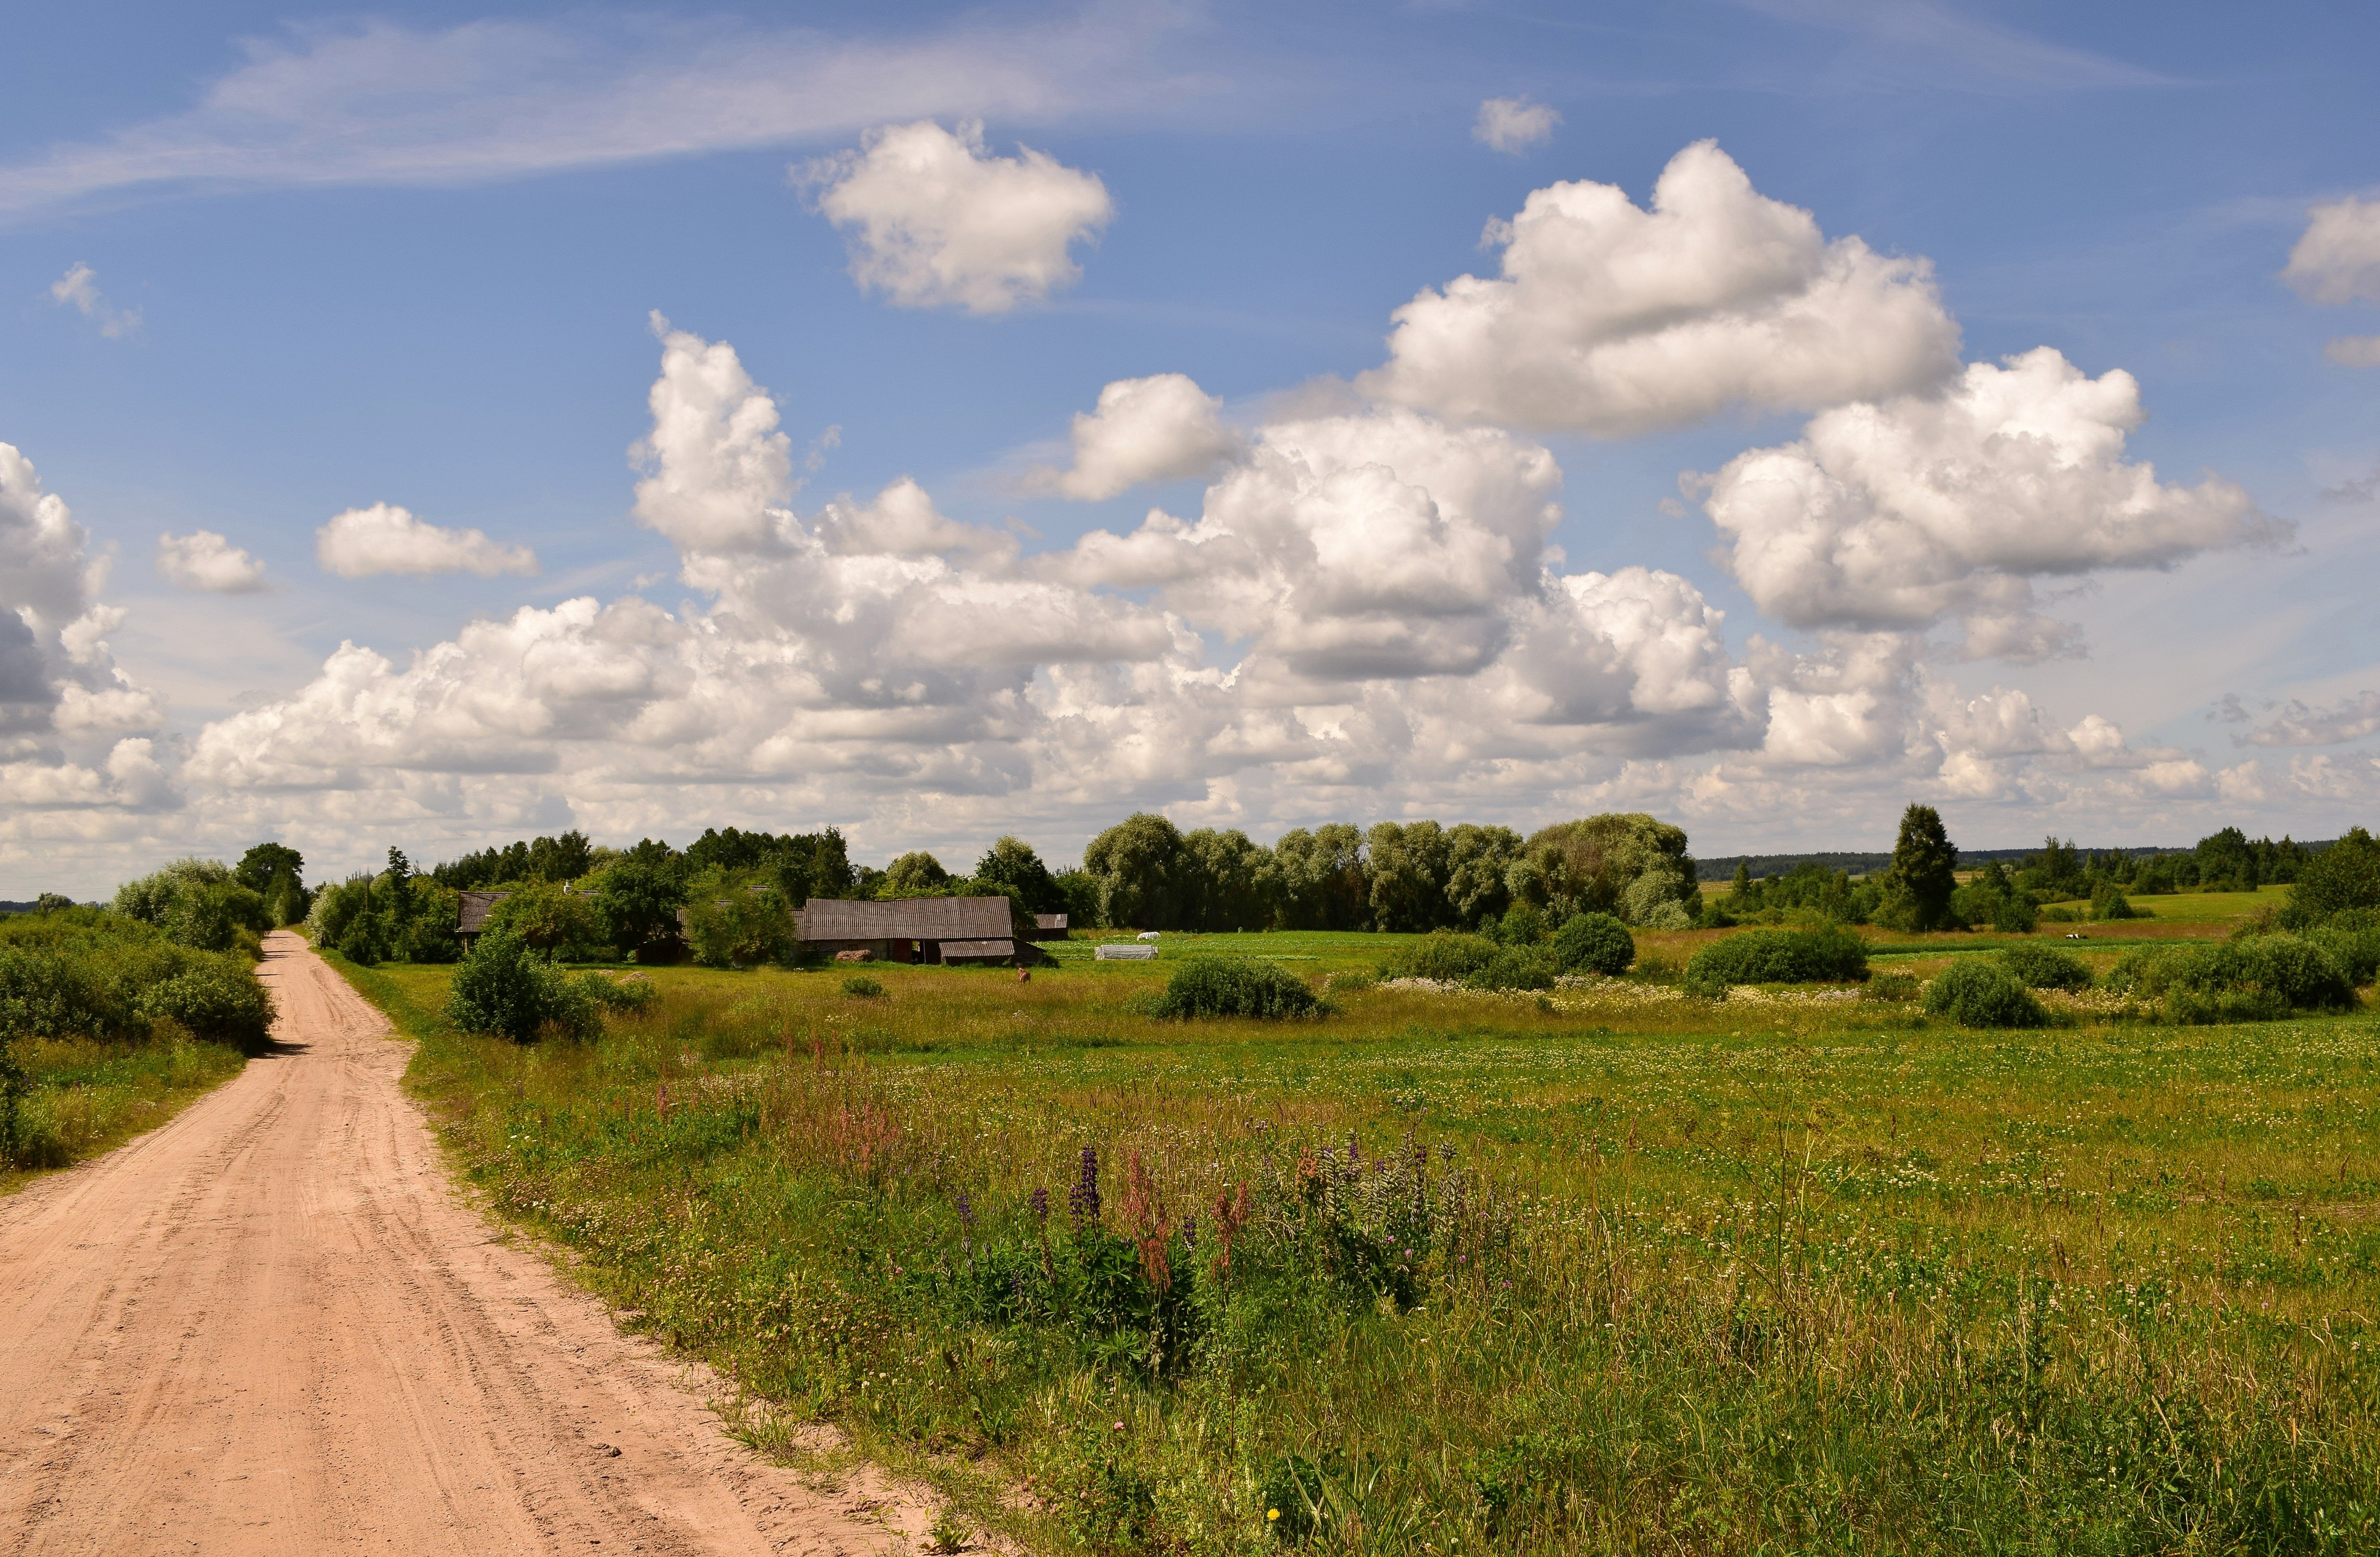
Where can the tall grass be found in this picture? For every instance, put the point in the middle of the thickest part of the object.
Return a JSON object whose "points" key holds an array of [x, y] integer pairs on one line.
{"points": [[107, 1024], [1812, 1278]]}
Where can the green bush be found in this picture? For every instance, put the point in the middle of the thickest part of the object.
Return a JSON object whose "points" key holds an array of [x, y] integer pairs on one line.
{"points": [[1777, 956], [366, 940], [1229, 987], [1593, 943], [2046, 967], [1443, 956], [503, 989], [1976, 993], [1521, 926], [862, 985], [634, 993], [86, 973], [2107, 902], [2350, 939], [1516, 967], [2255, 979], [730, 926], [215, 998]]}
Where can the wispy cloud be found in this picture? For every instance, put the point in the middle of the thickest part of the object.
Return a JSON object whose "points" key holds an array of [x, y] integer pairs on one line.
{"points": [[79, 289], [382, 104], [1924, 39]]}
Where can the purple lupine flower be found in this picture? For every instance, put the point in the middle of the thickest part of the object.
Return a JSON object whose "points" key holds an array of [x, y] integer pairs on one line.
{"points": [[1041, 1204], [1190, 1230], [966, 1214], [1083, 1200]]}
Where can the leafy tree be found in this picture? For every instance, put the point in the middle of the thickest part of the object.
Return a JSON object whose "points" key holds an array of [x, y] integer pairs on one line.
{"points": [[638, 902], [734, 925], [1521, 926], [563, 857], [2343, 876], [549, 918], [368, 938], [1227, 882], [1476, 860], [51, 902], [2056, 872], [2226, 862], [1139, 864], [1626, 864], [1410, 867], [1080, 891], [400, 887], [426, 933], [1917, 887], [335, 907], [264, 864], [1010, 865], [1324, 879], [913, 874]]}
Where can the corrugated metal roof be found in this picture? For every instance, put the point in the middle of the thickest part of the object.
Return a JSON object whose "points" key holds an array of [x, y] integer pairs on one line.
{"points": [[907, 918], [956, 951]]}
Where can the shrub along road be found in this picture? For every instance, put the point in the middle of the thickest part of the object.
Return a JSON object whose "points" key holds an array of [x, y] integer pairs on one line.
{"points": [[268, 1327]]}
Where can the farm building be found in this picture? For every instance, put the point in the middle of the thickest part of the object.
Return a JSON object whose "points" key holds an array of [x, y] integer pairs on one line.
{"points": [[1049, 927], [946, 930], [471, 913]]}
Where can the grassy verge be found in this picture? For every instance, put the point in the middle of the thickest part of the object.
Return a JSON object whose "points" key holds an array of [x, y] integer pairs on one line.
{"points": [[88, 1098], [1507, 1275]]}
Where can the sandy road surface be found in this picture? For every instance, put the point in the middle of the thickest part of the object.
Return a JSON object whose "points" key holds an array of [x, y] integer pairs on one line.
{"points": [[268, 1327]]}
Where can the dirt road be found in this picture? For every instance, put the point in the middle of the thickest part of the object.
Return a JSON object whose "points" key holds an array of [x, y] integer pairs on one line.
{"points": [[270, 1327]]}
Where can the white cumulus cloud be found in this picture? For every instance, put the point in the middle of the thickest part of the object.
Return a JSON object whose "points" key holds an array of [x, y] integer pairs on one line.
{"points": [[1158, 428], [387, 539], [74, 728], [935, 220], [2337, 260], [1907, 512], [204, 560], [1513, 124], [1613, 319], [79, 289]]}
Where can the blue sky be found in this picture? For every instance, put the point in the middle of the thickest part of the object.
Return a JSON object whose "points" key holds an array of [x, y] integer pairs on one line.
{"points": [[408, 257]]}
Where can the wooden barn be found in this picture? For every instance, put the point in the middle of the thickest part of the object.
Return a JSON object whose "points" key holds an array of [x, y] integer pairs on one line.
{"points": [[941, 929], [471, 913]]}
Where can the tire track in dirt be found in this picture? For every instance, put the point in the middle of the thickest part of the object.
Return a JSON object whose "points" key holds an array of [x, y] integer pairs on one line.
{"points": [[270, 1325]]}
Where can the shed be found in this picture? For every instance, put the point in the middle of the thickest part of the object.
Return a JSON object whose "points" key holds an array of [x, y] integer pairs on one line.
{"points": [[1049, 927], [910, 929]]}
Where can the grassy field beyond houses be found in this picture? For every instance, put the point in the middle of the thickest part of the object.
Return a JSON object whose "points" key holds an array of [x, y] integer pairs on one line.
{"points": [[1602, 1269]]}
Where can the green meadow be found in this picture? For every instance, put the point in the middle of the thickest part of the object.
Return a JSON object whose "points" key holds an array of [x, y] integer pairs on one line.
{"points": [[1606, 1269]]}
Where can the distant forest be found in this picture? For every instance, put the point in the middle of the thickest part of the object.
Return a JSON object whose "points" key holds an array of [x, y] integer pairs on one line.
{"points": [[1722, 866]]}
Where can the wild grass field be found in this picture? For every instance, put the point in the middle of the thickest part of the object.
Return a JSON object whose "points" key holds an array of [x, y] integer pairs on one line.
{"points": [[85, 1097], [1602, 1270]]}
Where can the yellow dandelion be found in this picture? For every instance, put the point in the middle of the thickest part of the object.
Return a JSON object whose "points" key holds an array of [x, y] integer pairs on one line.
{"points": [[1273, 1513]]}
